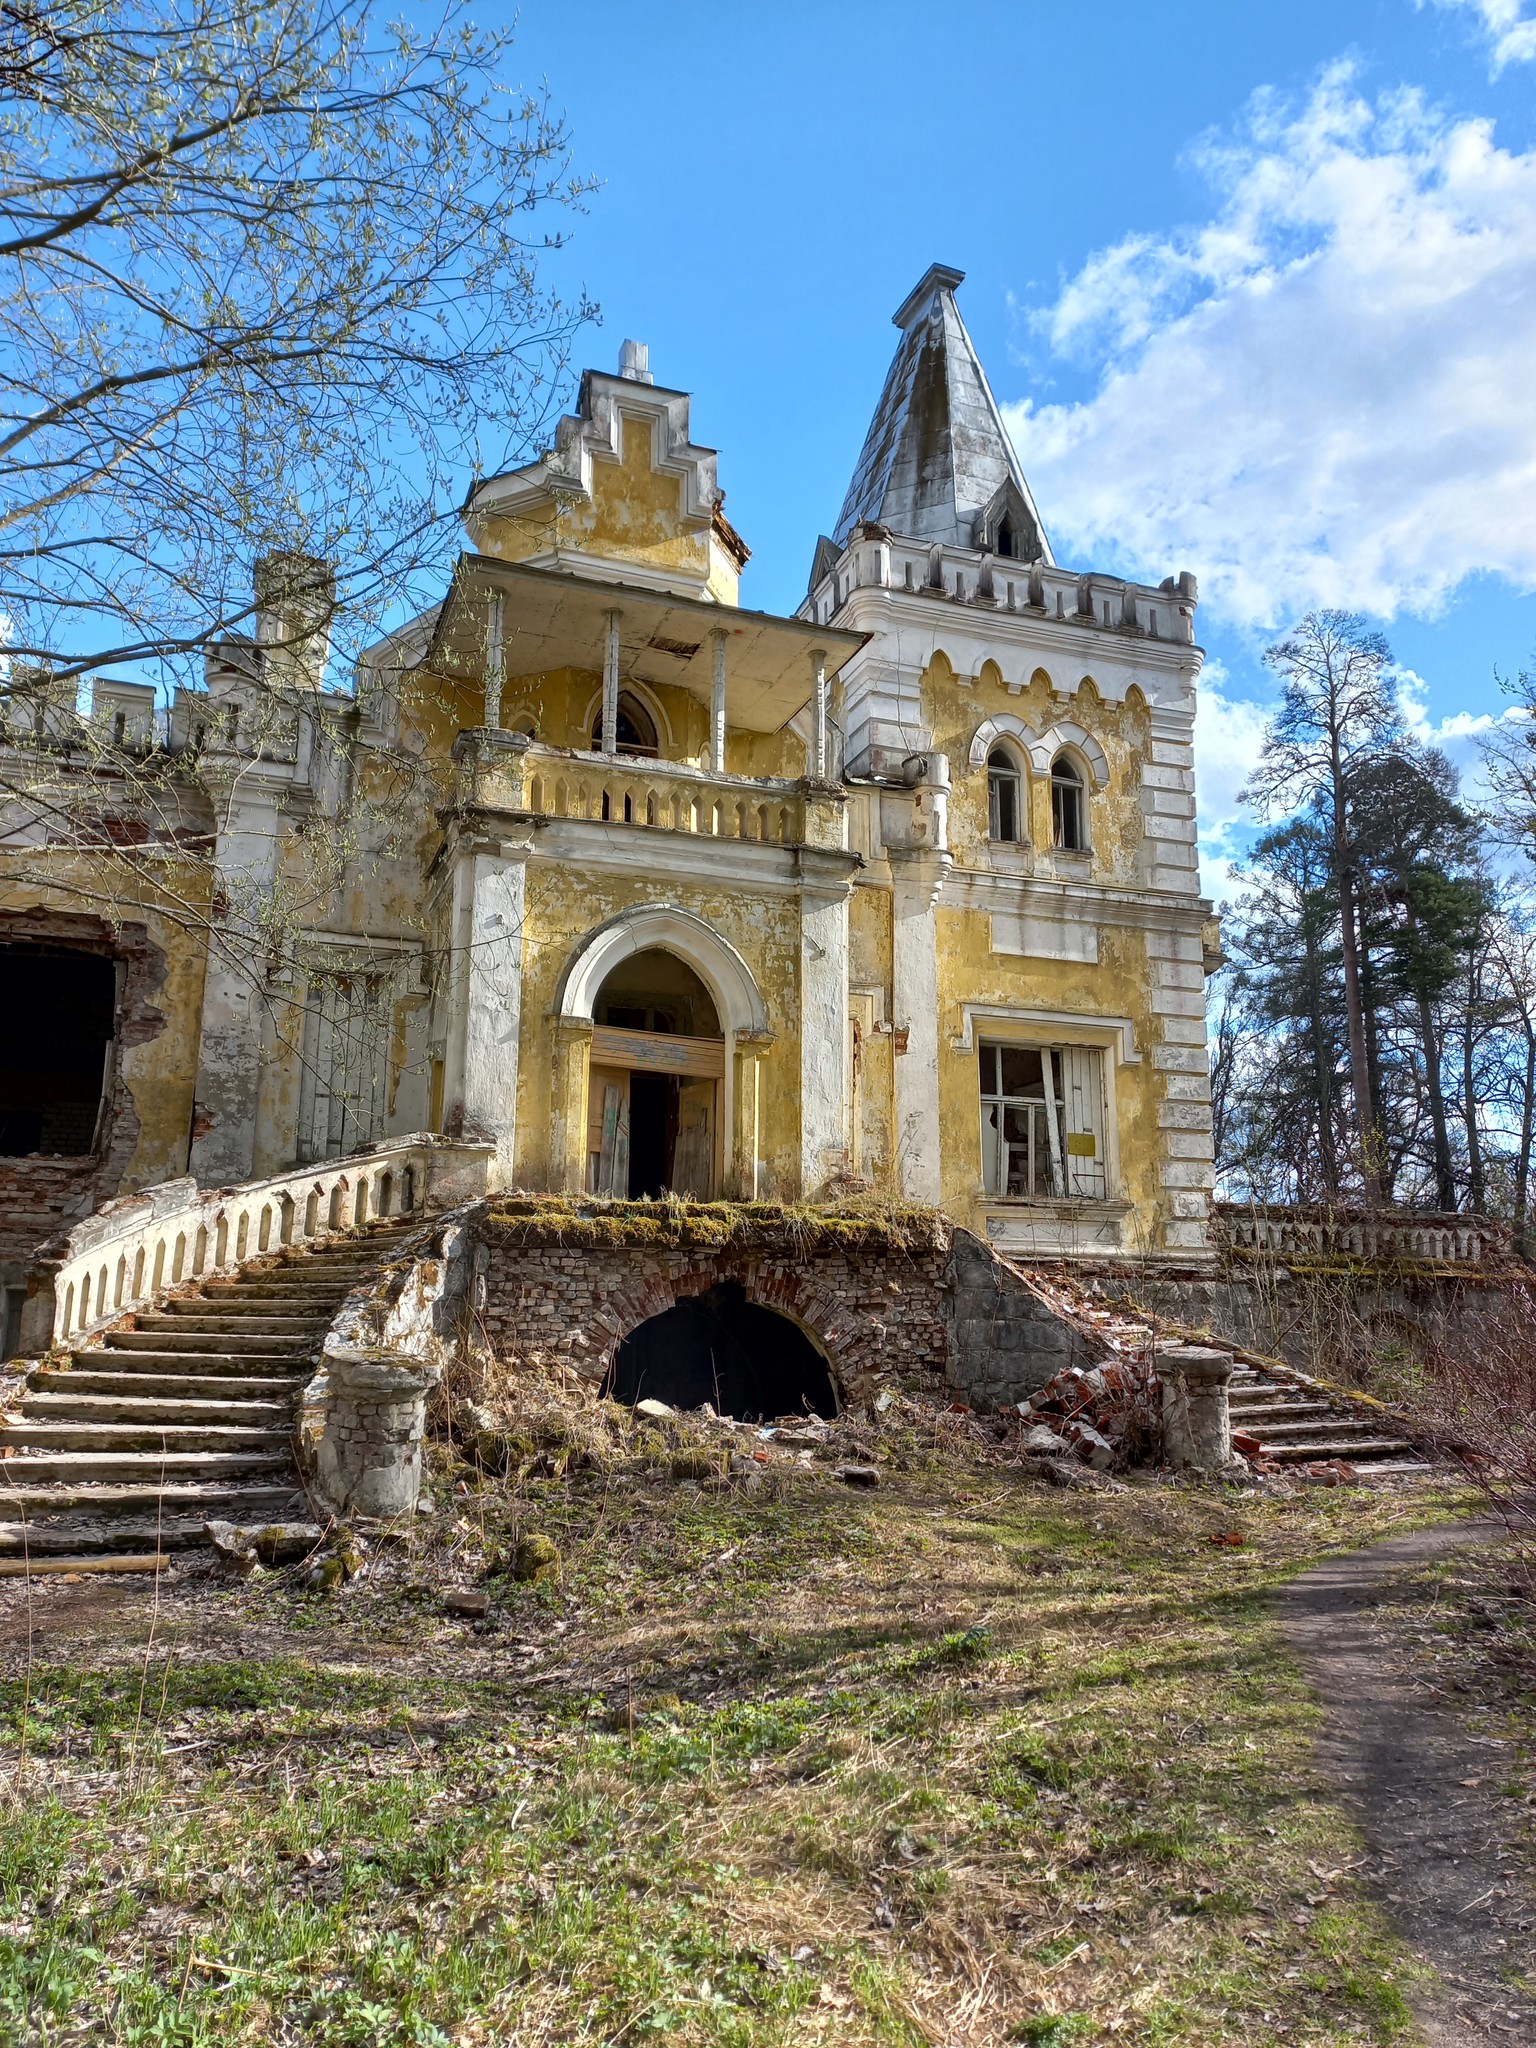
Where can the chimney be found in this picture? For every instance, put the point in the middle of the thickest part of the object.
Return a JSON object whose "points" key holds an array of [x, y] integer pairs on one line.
{"points": [[295, 604], [635, 362]]}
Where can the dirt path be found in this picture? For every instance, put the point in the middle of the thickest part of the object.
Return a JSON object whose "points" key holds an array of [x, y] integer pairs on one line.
{"points": [[1426, 1793]]}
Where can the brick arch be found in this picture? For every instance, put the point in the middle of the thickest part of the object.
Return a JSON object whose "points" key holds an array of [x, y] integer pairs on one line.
{"points": [[651, 1291]]}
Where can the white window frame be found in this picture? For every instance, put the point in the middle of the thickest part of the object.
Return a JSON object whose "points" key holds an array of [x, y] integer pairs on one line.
{"points": [[1002, 768], [1073, 1110], [1077, 782]]}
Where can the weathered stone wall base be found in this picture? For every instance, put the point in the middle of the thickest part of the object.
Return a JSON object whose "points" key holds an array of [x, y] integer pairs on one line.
{"points": [[1329, 1324]]}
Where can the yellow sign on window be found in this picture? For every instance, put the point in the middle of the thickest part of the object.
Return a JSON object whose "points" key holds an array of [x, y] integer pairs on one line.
{"points": [[1082, 1145]]}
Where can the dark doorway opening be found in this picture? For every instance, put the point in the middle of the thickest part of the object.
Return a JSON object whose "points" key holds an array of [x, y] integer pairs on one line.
{"points": [[745, 1361], [56, 1029], [652, 1132]]}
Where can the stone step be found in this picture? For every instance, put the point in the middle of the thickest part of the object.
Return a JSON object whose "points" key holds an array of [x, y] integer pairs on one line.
{"points": [[1330, 1423], [1351, 1450], [30, 1468], [45, 1504], [175, 1386], [226, 1322], [1258, 1413], [90, 1535], [201, 1364], [29, 1435], [196, 1340], [50, 1404]]}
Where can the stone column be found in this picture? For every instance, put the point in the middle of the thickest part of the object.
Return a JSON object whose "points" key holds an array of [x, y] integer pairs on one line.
{"points": [[572, 1058], [749, 1051], [818, 762], [490, 887], [717, 705], [825, 1049], [611, 682], [1197, 1428], [368, 1461], [917, 878], [495, 659], [233, 1025]]}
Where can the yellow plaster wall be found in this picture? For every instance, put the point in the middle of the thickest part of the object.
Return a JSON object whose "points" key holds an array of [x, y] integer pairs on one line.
{"points": [[562, 907], [1123, 730], [1118, 985], [634, 515]]}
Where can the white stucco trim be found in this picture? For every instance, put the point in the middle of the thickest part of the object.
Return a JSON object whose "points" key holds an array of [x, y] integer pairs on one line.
{"points": [[1044, 750], [1093, 1030], [669, 929], [1005, 726]]}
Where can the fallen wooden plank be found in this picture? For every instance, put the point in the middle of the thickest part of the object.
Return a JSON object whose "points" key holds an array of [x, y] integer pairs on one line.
{"points": [[33, 1567]]}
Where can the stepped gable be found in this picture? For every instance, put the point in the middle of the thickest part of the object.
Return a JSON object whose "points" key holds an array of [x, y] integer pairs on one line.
{"points": [[937, 464], [179, 1415]]}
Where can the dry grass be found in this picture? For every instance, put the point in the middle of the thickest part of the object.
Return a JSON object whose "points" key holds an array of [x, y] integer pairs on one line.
{"points": [[961, 1760]]}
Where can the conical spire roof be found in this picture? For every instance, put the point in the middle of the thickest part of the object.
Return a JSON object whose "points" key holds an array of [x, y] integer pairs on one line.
{"points": [[937, 463]]}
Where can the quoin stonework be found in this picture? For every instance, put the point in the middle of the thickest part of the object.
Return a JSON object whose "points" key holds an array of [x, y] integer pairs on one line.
{"points": [[899, 892]]}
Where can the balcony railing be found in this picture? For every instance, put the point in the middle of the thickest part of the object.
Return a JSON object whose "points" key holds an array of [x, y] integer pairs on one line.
{"points": [[510, 772], [1321, 1235]]}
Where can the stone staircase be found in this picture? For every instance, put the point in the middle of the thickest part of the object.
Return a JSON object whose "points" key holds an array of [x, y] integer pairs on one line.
{"points": [[1298, 1425], [178, 1415]]}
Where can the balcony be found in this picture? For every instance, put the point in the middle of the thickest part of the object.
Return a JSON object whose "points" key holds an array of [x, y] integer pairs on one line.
{"points": [[506, 771]]}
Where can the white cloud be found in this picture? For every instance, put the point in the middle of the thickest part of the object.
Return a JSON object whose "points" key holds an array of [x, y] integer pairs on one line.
{"points": [[1229, 732], [1509, 30], [1322, 395]]}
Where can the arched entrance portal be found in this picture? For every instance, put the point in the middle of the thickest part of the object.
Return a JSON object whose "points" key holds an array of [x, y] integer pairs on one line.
{"points": [[658, 1060], [745, 1361]]}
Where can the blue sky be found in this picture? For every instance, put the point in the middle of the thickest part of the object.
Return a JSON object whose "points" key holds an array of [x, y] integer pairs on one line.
{"points": [[1255, 286]]}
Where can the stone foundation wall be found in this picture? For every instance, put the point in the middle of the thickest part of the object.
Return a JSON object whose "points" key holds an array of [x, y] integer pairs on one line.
{"points": [[1335, 1324], [949, 1311], [870, 1313]]}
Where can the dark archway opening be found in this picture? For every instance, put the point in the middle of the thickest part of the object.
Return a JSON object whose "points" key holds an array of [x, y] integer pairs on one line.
{"points": [[56, 1033], [747, 1362]]}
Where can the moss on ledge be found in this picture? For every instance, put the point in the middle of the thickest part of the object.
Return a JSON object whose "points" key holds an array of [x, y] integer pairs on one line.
{"points": [[801, 1229]]}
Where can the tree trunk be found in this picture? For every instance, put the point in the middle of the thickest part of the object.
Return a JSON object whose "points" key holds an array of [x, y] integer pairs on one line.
{"points": [[1322, 1073], [1523, 1158], [1434, 1086], [1359, 1059], [1445, 1178], [1477, 1192]]}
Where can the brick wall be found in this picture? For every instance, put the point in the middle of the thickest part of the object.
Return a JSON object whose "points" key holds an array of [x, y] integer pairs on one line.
{"points": [[869, 1312], [950, 1312]]}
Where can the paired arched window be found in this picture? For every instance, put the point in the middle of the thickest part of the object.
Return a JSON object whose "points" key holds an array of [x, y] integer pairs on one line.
{"points": [[636, 728], [1005, 809], [1069, 806]]}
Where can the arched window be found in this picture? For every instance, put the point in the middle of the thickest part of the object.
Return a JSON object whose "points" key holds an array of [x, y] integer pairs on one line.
{"points": [[1003, 806], [1005, 539], [637, 728], [1069, 819]]}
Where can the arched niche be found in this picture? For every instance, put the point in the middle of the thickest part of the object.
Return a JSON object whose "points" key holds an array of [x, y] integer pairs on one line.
{"points": [[747, 1361]]}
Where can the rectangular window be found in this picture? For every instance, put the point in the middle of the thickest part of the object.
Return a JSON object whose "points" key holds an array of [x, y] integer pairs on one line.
{"points": [[1042, 1122]]}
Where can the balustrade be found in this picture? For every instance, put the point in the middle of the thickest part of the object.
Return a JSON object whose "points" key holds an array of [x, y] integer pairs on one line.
{"points": [[1355, 1234], [137, 1249]]}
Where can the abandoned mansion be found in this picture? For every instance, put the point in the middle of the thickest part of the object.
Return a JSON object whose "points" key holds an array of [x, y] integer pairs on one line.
{"points": [[643, 890]]}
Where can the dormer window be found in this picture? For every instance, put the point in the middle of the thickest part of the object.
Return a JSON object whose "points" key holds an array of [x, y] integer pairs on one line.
{"points": [[1069, 820], [1004, 810], [636, 729]]}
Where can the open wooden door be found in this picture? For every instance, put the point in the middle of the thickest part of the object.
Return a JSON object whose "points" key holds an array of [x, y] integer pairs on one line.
{"points": [[693, 1158]]}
